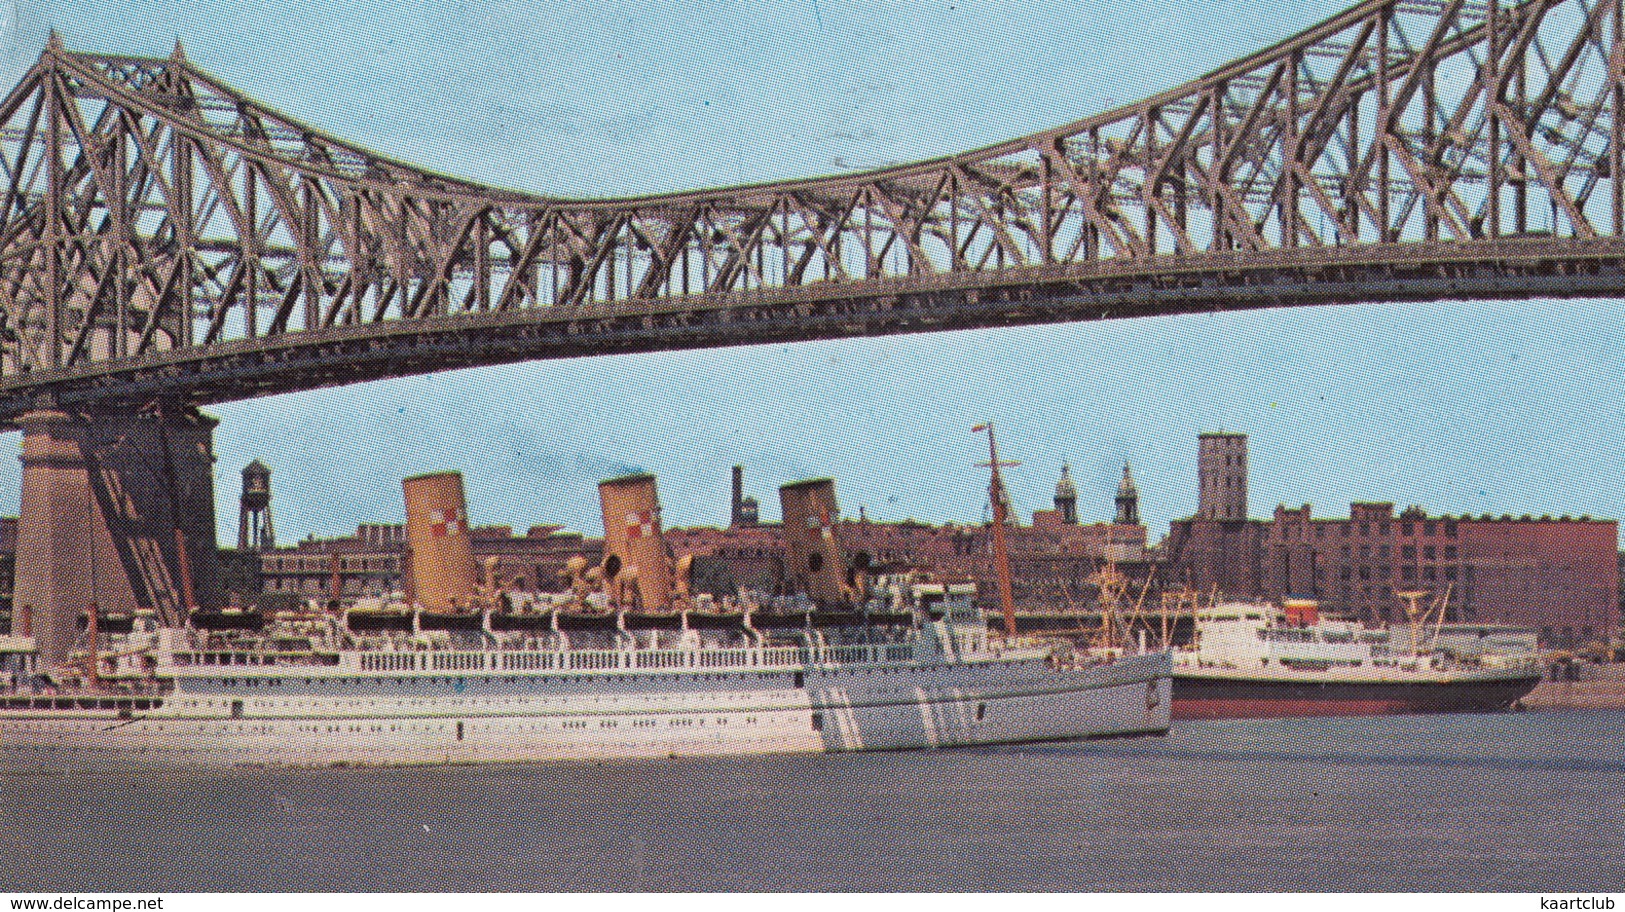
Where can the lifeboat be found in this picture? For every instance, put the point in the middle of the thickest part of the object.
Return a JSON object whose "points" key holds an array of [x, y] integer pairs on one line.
{"points": [[715, 620], [449, 620], [363, 619], [654, 620], [224, 619], [587, 620]]}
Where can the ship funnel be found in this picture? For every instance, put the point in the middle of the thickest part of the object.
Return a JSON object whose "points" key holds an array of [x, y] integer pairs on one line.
{"points": [[1301, 612], [442, 556], [632, 538], [863, 568], [812, 551], [683, 579]]}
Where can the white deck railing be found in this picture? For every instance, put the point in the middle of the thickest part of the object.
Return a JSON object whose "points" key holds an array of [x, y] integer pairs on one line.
{"points": [[590, 660]]}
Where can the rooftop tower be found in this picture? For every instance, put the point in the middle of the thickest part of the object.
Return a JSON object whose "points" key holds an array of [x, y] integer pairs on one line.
{"points": [[1128, 500], [1221, 466], [745, 511], [1066, 496]]}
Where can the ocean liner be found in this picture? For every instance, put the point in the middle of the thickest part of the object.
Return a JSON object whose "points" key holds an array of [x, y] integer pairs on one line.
{"points": [[627, 663], [1254, 660]]}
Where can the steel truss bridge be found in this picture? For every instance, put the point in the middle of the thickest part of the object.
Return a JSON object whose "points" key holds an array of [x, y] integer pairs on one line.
{"points": [[163, 236]]}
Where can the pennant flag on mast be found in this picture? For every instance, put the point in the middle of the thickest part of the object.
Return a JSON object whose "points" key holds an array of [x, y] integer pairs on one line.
{"points": [[978, 429]]}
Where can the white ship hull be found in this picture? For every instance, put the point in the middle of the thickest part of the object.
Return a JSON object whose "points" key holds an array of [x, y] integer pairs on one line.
{"points": [[387, 719]]}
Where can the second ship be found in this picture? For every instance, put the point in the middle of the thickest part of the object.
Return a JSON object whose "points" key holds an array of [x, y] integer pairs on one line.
{"points": [[1256, 660]]}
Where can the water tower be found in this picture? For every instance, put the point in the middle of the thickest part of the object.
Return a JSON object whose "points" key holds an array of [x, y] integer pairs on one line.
{"points": [[254, 529]]}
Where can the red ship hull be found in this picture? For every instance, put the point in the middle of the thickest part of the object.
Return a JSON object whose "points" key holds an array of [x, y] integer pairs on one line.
{"points": [[1228, 698]]}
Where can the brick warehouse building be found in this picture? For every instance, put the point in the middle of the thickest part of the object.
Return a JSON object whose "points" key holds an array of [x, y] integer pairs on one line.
{"points": [[373, 560], [1048, 566], [1557, 576], [1050, 560]]}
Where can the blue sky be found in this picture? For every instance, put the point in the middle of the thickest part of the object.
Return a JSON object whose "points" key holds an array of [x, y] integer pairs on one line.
{"points": [[1469, 407]]}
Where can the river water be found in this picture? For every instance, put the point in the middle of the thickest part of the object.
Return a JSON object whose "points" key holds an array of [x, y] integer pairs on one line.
{"points": [[1508, 802]]}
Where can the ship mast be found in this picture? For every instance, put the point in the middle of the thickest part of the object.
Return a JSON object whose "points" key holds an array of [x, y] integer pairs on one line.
{"points": [[1410, 598], [1001, 548]]}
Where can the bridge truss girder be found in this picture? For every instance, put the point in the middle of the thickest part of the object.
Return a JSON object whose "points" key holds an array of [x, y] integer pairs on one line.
{"points": [[163, 234]]}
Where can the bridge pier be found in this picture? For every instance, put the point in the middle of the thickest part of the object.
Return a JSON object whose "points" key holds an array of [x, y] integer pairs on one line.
{"points": [[103, 493]]}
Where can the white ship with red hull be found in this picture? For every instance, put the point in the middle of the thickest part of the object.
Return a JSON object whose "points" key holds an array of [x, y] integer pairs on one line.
{"points": [[1255, 661]]}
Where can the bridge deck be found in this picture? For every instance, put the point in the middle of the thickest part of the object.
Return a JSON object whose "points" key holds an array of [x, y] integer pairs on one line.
{"points": [[163, 235]]}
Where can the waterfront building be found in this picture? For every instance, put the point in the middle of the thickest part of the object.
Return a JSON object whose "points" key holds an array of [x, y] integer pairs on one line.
{"points": [[1051, 560], [1559, 576], [374, 560]]}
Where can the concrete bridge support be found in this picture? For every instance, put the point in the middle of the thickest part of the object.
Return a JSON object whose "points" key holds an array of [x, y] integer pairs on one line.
{"points": [[103, 494]]}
